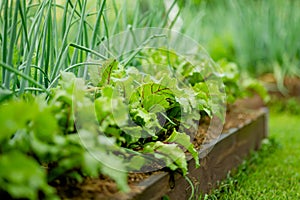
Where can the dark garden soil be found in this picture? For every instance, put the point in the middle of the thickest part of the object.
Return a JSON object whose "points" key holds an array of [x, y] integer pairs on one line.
{"points": [[237, 115]]}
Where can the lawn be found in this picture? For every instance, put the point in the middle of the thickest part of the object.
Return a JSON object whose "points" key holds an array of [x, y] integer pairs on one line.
{"points": [[273, 172]]}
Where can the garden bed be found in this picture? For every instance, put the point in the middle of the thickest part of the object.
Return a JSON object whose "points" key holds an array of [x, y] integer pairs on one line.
{"points": [[228, 152], [243, 132], [290, 86]]}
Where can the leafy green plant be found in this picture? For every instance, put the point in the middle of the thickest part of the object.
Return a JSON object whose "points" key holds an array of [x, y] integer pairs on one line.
{"points": [[44, 136], [148, 121], [239, 87], [149, 112], [22, 177], [198, 75]]}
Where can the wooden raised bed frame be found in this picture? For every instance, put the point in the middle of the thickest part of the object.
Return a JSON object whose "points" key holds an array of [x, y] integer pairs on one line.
{"points": [[216, 160]]}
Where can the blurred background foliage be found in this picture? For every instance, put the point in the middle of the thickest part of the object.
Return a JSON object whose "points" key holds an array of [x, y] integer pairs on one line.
{"points": [[260, 36]]}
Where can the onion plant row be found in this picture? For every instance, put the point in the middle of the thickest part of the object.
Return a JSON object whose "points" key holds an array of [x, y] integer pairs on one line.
{"points": [[39, 39], [260, 36]]}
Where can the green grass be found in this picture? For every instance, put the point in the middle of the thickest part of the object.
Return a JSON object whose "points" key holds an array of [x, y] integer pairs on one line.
{"points": [[273, 172]]}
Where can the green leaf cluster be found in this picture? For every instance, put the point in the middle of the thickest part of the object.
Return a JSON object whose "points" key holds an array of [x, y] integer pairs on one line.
{"points": [[240, 87], [143, 112], [42, 137], [119, 120], [195, 73]]}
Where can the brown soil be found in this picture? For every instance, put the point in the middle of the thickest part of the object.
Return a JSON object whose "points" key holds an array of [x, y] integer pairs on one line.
{"points": [[241, 112], [104, 188], [291, 84]]}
